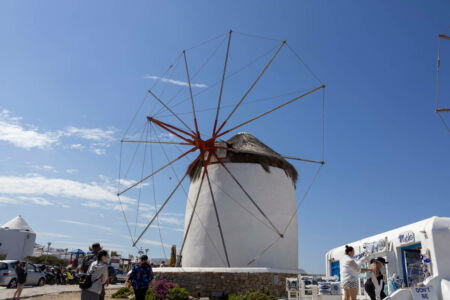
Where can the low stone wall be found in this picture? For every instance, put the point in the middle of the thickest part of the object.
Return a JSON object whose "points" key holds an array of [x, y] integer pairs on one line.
{"points": [[214, 284]]}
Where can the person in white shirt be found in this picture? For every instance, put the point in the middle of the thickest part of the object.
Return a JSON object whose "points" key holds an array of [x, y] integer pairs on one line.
{"points": [[349, 274]]}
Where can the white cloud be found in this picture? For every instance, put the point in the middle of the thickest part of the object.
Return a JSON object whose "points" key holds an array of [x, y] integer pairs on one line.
{"points": [[175, 82], [12, 131], [93, 134], [35, 184], [71, 171], [105, 228]]}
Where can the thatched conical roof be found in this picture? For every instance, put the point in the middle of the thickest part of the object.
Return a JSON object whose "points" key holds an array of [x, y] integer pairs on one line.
{"points": [[248, 149]]}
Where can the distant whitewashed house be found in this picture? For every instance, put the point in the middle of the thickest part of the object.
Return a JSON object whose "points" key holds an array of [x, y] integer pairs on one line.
{"points": [[17, 239]]}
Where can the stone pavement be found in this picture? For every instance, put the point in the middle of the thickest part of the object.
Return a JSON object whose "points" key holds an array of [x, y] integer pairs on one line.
{"points": [[34, 291]]}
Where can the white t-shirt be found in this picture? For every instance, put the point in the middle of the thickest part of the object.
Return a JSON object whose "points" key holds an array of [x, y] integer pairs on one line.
{"points": [[349, 269]]}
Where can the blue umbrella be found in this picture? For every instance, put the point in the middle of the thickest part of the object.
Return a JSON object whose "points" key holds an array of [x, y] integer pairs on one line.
{"points": [[77, 252]]}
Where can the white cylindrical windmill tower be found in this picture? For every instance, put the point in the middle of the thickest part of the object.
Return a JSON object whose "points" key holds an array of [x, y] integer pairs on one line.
{"points": [[253, 199]]}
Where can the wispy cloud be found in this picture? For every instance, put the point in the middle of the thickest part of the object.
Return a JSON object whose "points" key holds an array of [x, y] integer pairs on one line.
{"points": [[37, 185], [12, 131], [16, 200], [178, 229], [45, 168], [55, 235], [76, 147], [36, 200], [175, 82], [154, 243], [105, 228], [93, 134], [71, 171]]}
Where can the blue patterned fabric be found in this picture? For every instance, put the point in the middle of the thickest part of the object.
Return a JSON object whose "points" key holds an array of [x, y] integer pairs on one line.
{"points": [[141, 276]]}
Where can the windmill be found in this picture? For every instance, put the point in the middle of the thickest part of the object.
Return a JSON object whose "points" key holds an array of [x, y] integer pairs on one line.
{"points": [[242, 193]]}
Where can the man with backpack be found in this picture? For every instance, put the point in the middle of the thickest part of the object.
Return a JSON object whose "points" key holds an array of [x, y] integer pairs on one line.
{"points": [[92, 283], [89, 259]]}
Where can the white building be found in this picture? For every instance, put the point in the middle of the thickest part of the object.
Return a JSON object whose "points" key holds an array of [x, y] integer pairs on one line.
{"points": [[270, 181], [419, 254], [17, 239]]}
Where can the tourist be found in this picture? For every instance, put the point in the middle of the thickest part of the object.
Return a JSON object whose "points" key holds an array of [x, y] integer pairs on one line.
{"points": [[140, 277], [349, 274], [163, 264], [90, 258], [374, 286], [21, 273], [99, 277]]}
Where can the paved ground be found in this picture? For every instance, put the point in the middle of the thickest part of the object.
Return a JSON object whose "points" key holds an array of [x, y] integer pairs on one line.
{"points": [[50, 292]]}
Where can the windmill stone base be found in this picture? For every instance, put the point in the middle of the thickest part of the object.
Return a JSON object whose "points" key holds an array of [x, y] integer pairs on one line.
{"points": [[218, 282]]}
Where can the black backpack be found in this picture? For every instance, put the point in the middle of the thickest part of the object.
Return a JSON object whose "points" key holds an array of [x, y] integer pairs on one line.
{"points": [[87, 261], [85, 281]]}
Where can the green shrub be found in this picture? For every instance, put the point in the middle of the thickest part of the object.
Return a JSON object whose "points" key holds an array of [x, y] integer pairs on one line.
{"points": [[122, 293], [177, 293], [252, 294]]}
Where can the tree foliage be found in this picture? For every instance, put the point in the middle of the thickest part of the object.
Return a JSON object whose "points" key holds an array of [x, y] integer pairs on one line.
{"points": [[47, 259]]}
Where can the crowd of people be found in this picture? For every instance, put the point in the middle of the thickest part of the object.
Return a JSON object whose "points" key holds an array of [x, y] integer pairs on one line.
{"points": [[95, 276], [350, 269]]}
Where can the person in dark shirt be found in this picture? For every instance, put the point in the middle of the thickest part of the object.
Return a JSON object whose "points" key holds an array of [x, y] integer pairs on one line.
{"points": [[21, 273], [140, 278], [376, 264]]}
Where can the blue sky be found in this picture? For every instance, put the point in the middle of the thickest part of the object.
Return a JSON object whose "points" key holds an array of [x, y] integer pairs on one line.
{"points": [[73, 74]]}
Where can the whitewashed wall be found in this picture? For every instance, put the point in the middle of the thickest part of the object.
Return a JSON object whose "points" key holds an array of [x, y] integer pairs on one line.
{"points": [[245, 237], [16, 244]]}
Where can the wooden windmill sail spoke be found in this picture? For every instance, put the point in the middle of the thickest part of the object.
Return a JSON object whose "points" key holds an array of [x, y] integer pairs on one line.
{"points": [[252, 86], [154, 142], [160, 209], [218, 219], [192, 214], [248, 196], [190, 93], [221, 84], [155, 172], [169, 128], [171, 111], [439, 109], [271, 111], [286, 157]]}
